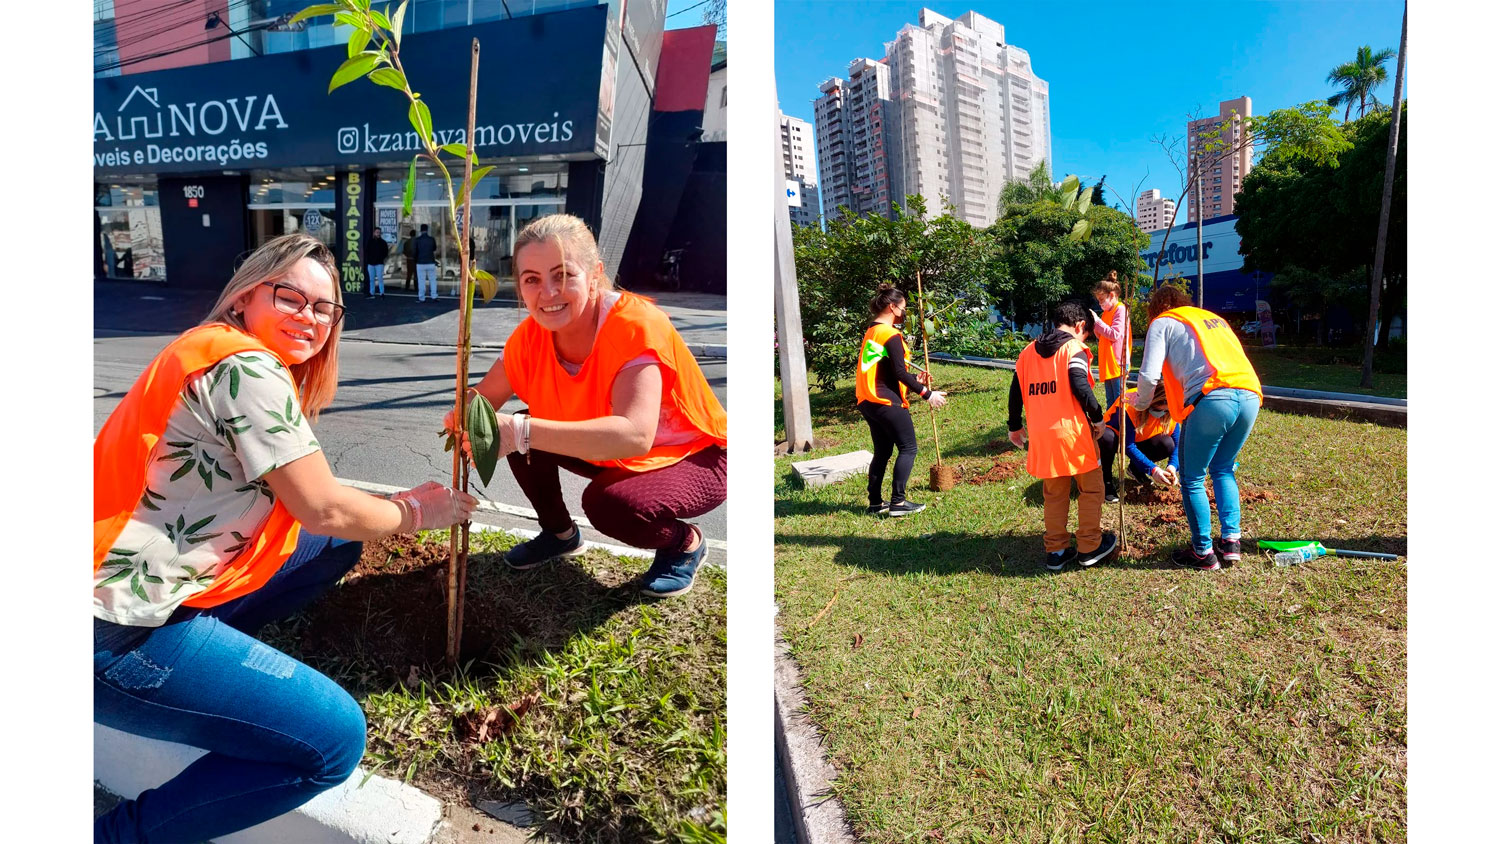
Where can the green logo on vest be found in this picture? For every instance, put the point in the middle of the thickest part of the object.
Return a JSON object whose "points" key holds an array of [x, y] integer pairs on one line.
{"points": [[873, 352]]}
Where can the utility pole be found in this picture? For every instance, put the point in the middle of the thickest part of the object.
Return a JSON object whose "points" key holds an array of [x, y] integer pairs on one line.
{"points": [[1198, 200], [796, 412]]}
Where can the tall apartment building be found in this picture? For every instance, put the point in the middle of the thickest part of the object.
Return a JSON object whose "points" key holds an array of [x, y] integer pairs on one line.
{"points": [[1222, 179], [971, 113], [797, 164], [854, 128], [1153, 211]]}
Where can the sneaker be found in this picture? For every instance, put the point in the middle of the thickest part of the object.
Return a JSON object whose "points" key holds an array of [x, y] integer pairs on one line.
{"points": [[673, 573], [1228, 550], [904, 508], [544, 548], [1111, 493], [877, 509], [1189, 559], [1106, 547], [1057, 559], [1142, 478]]}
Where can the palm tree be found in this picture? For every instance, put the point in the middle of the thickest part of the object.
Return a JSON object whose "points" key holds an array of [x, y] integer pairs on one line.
{"points": [[1359, 79]]}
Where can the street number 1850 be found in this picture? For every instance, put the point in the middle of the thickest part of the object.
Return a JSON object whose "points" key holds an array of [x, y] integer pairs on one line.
{"points": [[192, 191]]}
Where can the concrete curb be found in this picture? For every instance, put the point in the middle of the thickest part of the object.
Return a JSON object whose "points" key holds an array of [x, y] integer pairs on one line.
{"points": [[818, 815], [701, 351], [360, 811]]}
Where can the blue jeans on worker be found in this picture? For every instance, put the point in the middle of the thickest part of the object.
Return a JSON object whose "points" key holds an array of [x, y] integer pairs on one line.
{"points": [[1113, 387], [276, 731], [1212, 438]]}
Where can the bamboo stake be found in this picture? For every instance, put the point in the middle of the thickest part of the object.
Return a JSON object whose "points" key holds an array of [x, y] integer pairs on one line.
{"points": [[927, 362], [1120, 473], [458, 540]]}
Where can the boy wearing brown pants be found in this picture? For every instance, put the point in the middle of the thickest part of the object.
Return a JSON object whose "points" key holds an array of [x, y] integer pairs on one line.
{"points": [[1062, 421]]}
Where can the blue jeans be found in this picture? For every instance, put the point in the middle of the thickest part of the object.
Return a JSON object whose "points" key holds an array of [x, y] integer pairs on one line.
{"points": [[1113, 387], [376, 274], [276, 731], [1212, 438]]}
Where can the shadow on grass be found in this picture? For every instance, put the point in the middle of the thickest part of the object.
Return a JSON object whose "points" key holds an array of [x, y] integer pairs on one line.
{"points": [[941, 553]]}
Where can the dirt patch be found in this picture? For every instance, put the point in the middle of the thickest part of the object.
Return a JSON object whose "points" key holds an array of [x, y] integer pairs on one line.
{"points": [[1003, 468]]}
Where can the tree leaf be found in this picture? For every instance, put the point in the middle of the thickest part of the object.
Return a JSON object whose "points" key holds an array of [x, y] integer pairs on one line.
{"points": [[484, 437], [380, 18], [396, 20], [487, 284], [474, 180], [1069, 189], [316, 11], [359, 39], [411, 183], [457, 150], [421, 119], [1081, 230], [389, 77], [349, 19], [353, 69]]}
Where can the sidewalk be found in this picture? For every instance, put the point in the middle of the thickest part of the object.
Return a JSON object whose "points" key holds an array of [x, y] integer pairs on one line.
{"points": [[397, 318]]}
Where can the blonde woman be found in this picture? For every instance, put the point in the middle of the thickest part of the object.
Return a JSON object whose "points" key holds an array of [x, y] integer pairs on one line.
{"points": [[215, 512], [614, 395]]}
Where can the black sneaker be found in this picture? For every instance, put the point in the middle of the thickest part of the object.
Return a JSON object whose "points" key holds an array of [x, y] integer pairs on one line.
{"points": [[544, 548], [1111, 493], [1142, 478], [1228, 550], [1107, 544], [877, 509], [1057, 559], [905, 508], [1189, 559]]}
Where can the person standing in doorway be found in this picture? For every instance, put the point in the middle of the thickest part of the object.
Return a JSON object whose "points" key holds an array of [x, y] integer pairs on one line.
{"points": [[376, 252], [409, 254], [424, 252]]}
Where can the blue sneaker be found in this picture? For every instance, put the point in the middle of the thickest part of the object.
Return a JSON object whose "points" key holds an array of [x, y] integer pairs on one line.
{"points": [[672, 573], [544, 548]]}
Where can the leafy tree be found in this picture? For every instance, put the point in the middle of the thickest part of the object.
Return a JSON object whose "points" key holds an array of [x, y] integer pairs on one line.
{"points": [[1099, 191], [1359, 79]]}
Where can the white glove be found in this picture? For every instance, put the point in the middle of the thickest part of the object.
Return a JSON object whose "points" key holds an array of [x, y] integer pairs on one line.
{"points": [[937, 398], [1018, 438], [434, 505], [1097, 318], [1166, 477]]}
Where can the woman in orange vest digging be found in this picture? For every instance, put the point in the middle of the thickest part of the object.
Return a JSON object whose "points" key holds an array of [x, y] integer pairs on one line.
{"points": [[1112, 327], [215, 512], [1150, 436], [1214, 394], [881, 382], [613, 394], [1062, 420]]}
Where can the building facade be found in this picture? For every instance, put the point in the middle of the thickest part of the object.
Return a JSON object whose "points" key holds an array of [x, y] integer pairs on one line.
{"points": [[799, 166], [1225, 170], [830, 121], [1227, 287], [1153, 211], [214, 131]]}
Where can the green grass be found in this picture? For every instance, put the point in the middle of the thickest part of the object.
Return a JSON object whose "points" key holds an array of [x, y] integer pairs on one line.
{"points": [[966, 694], [620, 726], [1333, 369]]}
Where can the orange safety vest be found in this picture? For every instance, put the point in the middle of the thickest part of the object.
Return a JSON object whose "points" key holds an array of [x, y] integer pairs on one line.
{"points": [[1060, 441], [123, 450], [633, 327], [871, 353], [1151, 427], [1109, 358], [1224, 353]]}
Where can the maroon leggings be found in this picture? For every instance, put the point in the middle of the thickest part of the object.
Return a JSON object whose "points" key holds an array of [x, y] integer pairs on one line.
{"points": [[640, 509]]}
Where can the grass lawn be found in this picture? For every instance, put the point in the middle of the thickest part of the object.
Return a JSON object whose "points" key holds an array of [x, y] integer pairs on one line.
{"points": [[1336, 370], [602, 710], [966, 694]]}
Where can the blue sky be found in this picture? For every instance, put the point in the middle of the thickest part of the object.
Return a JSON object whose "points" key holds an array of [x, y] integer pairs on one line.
{"points": [[1118, 73]]}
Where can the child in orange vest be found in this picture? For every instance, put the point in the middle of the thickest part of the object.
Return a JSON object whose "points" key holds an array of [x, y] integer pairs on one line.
{"points": [[1062, 422], [1112, 327]]}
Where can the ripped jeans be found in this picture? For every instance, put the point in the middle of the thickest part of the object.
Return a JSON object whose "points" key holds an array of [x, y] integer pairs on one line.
{"points": [[276, 731]]}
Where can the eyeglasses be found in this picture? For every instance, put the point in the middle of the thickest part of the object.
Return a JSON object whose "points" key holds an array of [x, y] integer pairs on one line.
{"points": [[290, 300]]}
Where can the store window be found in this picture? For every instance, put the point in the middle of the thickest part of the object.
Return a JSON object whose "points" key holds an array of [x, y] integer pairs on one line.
{"points": [[129, 230], [282, 202]]}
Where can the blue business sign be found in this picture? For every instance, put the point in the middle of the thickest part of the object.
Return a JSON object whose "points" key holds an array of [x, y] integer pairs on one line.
{"points": [[1226, 286], [539, 94]]}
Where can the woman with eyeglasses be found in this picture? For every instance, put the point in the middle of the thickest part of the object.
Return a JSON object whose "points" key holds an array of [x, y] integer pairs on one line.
{"points": [[215, 512], [881, 382]]}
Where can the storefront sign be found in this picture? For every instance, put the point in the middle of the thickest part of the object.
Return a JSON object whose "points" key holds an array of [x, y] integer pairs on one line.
{"points": [[539, 94], [312, 220], [353, 269], [389, 218], [1227, 288]]}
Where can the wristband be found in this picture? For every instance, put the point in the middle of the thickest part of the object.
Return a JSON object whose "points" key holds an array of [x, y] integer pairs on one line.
{"points": [[521, 427]]}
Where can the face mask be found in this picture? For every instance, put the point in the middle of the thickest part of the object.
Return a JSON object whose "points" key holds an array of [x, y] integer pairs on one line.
{"points": [[1157, 413]]}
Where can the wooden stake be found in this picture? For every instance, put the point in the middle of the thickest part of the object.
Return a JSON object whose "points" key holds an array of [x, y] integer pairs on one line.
{"points": [[927, 362]]}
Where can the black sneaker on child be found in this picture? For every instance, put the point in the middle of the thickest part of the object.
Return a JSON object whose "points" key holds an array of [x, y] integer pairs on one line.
{"points": [[1189, 559], [544, 548], [1227, 549], [1111, 493], [1106, 547], [905, 508], [878, 509], [1056, 560]]}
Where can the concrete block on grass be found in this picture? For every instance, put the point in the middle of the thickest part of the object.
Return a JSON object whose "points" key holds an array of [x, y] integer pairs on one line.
{"points": [[830, 470], [381, 811]]}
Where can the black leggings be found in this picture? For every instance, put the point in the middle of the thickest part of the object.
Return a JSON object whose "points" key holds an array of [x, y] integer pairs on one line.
{"points": [[890, 428], [1157, 448]]}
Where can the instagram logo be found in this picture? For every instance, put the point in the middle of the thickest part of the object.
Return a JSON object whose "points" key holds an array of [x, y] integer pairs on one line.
{"points": [[349, 139]]}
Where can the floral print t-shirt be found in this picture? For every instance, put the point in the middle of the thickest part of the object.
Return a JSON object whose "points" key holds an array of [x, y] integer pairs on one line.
{"points": [[205, 497]]}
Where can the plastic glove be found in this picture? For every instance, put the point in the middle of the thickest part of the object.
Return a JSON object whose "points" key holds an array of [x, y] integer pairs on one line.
{"points": [[1097, 318], [924, 378], [1098, 428], [436, 506], [1166, 477], [449, 424], [937, 398], [1018, 438]]}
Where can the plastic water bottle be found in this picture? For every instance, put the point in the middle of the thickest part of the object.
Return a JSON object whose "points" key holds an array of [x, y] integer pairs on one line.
{"points": [[1296, 556]]}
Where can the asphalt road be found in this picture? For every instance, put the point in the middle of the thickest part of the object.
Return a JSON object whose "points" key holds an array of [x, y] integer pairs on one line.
{"points": [[383, 426]]}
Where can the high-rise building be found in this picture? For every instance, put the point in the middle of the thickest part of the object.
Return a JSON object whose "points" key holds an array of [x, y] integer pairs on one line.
{"points": [[1225, 170], [971, 113], [1153, 211], [855, 138], [830, 120], [797, 164]]}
